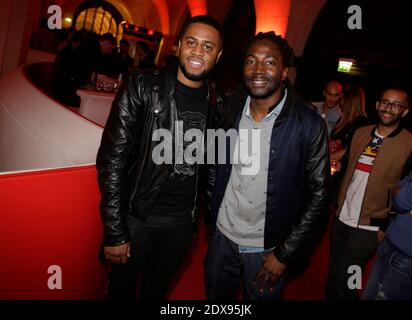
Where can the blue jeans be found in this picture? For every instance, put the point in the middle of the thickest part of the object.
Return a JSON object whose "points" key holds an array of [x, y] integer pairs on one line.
{"points": [[226, 267], [391, 275]]}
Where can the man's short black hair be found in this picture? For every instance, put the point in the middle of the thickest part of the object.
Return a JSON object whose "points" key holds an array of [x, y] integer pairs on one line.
{"points": [[396, 88], [107, 36], [124, 41], [285, 49], [207, 20]]}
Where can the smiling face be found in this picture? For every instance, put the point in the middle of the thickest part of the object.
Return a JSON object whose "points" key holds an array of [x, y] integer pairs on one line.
{"points": [[391, 115], [199, 50], [263, 70]]}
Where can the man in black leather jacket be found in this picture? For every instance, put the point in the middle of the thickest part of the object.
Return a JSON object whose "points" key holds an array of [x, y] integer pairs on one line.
{"points": [[148, 207], [264, 218]]}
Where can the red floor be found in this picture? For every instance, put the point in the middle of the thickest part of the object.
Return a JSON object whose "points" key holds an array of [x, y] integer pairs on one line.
{"points": [[307, 286]]}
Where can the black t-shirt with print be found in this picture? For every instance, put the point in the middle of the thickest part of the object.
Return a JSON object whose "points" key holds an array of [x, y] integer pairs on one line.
{"points": [[177, 195]]}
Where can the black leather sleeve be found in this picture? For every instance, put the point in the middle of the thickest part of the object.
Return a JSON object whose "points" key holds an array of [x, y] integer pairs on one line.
{"points": [[218, 100], [211, 179], [121, 130], [317, 174]]}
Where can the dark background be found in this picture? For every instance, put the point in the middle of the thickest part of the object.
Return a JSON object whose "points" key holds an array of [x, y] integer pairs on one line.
{"points": [[382, 49]]}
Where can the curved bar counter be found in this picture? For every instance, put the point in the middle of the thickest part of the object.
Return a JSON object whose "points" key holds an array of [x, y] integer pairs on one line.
{"points": [[50, 225]]}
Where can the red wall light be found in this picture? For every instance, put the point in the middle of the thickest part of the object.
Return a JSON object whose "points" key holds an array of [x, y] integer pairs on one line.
{"points": [[272, 16], [197, 7]]}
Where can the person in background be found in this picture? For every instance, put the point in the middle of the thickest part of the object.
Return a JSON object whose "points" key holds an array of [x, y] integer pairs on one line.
{"points": [[85, 53], [109, 62], [127, 62], [65, 72], [391, 275], [379, 156], [353, 117], [330, 109], [146, 56]]}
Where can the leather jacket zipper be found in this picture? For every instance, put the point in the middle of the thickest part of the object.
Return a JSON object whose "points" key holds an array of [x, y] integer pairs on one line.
{"points": [[138, 178], [196, 186]]}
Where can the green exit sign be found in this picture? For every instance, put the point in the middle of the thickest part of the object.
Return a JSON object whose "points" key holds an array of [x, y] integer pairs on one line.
{"points": [[345, 65]]}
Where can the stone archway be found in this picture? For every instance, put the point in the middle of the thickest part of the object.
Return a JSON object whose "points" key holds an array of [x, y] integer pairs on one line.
{"points": [[302, 16], [122, 7]]}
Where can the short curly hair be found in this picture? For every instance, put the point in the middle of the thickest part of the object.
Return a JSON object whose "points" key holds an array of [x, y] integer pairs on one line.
{"points": [[285, 49], [204, 19]]}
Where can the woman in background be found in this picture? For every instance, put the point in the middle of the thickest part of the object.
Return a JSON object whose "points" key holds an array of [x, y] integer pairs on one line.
{"points": [[353, 117]]}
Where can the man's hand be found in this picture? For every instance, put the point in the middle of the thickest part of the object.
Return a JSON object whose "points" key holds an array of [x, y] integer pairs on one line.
{"points": [[118, 254], [270, 272]]}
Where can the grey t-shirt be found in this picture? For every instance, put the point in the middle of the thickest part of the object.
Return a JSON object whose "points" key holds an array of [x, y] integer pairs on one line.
{"points": [[241, 216], [331, 117]]}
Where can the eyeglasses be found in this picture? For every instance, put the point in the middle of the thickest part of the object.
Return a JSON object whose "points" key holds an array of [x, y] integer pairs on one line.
{"points": [[395, 106]]}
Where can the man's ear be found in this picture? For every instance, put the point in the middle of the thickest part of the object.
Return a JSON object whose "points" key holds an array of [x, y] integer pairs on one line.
{"points": [[178, 48], [405, 112], [218, 56], [285, 72]]}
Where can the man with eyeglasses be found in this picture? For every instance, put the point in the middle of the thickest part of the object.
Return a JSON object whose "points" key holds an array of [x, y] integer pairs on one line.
{"points": [[379, 157]]}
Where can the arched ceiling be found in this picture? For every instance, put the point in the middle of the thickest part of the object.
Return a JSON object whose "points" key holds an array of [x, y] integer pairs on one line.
{"points": [[143, 13], [168, 16], [161, 15], [123, 8]]}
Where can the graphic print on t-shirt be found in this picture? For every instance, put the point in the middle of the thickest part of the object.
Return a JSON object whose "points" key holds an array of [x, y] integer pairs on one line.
{"points": [[178, 192], [368, 156], [191, 120], [352, 206]]}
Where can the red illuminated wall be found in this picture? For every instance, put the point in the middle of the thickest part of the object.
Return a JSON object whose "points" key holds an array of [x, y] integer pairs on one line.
{"points": [[50, 218], [272, 16], [197, 7]]}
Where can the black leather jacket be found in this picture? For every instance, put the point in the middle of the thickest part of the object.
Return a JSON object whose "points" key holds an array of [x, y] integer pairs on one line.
{"points": [[128, 178]]}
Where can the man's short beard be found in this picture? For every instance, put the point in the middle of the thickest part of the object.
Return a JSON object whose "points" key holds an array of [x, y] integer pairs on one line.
{"points": [[276, 86], [261, 96], [193, 77], [395, 121]]}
